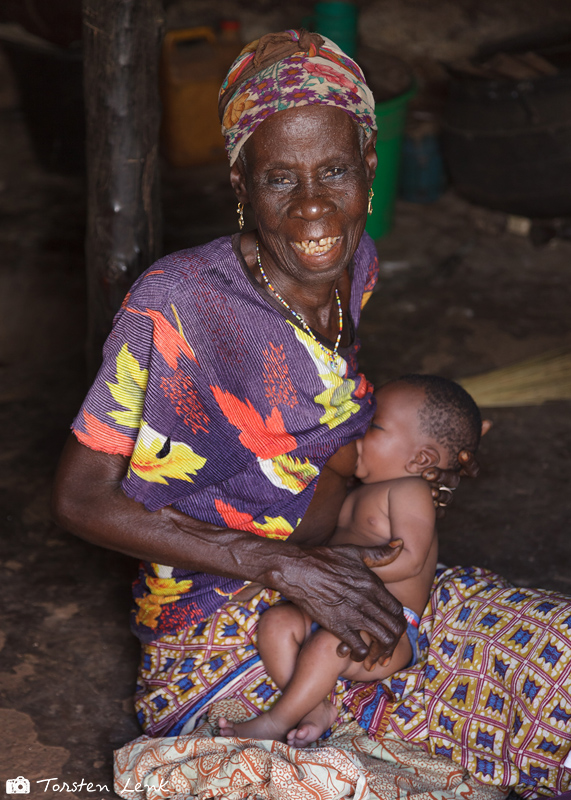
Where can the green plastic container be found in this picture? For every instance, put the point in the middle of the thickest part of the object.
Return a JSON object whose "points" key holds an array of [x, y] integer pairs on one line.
{"points": [[338, 21], [391, 116]]}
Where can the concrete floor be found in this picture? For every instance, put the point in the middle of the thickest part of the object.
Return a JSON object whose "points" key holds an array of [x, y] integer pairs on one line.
{"points": [[457, 296]]}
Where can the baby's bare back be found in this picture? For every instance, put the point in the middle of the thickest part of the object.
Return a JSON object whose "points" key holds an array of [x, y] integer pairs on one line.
{"points": [[365, 520]]}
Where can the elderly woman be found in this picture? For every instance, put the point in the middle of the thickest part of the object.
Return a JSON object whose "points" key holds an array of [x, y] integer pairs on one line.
{"points": [[216, 442]]}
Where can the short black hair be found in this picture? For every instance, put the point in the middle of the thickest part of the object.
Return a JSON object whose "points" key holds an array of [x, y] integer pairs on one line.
{"points": [[449, 415]]}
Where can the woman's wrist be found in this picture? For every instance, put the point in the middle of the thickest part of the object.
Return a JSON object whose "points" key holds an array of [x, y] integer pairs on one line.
{"points": [[233, 553]]}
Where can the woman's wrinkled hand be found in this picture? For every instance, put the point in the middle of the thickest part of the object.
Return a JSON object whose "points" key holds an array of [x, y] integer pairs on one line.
{"points": [[336, 588], [444, 482]]}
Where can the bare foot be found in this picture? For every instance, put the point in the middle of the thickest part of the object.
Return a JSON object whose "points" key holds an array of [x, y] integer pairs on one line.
{"points": [[313, 725], [262, 727]]}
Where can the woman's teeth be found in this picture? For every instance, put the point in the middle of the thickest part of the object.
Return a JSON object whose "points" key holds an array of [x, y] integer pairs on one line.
{"points": [[316, 247]]}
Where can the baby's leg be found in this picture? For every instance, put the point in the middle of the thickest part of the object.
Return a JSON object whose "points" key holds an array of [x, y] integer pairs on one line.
{"points": [[316, 671], [320, 718], [305, 697], [401, 657], [282, 631]]}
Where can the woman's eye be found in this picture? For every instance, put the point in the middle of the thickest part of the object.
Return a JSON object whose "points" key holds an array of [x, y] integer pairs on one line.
{"points": [[279, 180], [334, 172]]}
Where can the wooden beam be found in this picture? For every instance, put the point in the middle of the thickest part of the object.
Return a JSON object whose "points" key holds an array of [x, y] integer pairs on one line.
{"points": [[121, 56]]}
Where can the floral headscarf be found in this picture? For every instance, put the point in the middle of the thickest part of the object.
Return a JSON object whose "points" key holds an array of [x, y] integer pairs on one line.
{"points": [[288, 70]]}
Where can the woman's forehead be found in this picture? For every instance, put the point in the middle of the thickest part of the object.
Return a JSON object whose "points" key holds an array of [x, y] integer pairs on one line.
{"points": [[318, 130]]}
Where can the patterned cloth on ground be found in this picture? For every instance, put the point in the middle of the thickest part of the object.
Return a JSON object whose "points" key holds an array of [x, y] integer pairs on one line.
{"points": [[349, 765], [226, 408]]}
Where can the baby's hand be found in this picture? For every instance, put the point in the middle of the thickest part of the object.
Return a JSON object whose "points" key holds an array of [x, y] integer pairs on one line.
{"points": [[373, 558]]}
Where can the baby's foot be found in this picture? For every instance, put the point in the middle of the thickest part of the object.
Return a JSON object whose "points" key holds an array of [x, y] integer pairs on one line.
{"points": [[262, 727], [226, 727], [313, 725]]}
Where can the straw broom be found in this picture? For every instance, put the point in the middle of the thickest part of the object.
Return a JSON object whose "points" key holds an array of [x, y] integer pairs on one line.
{"points": [[528, 383]]}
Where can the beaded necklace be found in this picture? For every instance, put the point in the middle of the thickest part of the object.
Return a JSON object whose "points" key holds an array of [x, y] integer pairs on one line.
{"points": [[331, 356]]}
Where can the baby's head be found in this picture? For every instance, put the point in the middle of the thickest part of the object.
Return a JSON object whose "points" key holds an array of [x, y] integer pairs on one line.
{"points": [[421, 421]]}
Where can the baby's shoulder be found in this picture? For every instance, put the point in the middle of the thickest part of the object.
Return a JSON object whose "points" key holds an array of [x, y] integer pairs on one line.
{"points": [[411, 488], [410, 483], [370, 491]]}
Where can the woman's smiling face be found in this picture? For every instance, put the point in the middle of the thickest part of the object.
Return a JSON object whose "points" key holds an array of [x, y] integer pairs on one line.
{"points": [[307, 180]]}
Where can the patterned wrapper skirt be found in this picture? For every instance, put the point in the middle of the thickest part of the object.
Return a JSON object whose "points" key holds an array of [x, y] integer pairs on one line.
{"points": [[491, 691], [182, 675]]}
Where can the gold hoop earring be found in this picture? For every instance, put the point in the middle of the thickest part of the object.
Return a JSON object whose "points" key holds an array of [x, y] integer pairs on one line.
{"points": [[370, 206], [240, 212]]}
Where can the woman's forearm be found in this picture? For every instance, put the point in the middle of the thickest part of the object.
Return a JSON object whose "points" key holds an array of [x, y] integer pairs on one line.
{"points": [[88, 501], [332, 585]]}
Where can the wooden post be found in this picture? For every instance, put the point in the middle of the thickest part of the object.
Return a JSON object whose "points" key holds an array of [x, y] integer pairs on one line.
{"points": [[121, 56]]}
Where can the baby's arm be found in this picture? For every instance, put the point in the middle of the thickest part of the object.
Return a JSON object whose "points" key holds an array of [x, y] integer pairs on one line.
{"points": [[412, 518], [400, 509]]}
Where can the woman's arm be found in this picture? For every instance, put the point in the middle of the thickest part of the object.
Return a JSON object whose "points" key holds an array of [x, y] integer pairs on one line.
{"points": [[330, 584]]}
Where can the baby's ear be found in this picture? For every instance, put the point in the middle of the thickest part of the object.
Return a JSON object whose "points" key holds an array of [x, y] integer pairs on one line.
{"points": [[486, 425], [427, 456]]}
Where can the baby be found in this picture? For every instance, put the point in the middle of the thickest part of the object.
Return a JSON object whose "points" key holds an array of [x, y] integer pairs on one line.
{"points": [[421, 421]]}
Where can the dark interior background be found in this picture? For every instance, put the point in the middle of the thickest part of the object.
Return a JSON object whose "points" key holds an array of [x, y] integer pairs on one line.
{"points": [[461, 292]]}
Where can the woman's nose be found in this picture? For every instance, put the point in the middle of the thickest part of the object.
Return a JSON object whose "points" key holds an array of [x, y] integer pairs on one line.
{"points": [[311, 204]]}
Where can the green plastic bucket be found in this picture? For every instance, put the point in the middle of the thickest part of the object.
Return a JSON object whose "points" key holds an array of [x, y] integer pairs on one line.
{"points": [[391, 115], [338, 21]]}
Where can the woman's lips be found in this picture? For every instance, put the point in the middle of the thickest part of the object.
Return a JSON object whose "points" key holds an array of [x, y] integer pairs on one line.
{"points": [[317, 247]]}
